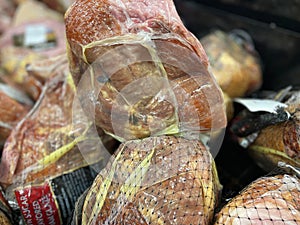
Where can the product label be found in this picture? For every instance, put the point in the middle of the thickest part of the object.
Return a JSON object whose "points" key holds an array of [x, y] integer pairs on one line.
{"points": [[38, 205], [37, 37], [53, 202], [35, 34], [68, 188], [261, 105]]}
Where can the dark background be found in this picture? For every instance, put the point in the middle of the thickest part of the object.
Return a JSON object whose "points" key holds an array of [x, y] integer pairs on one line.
{"points": [[274, 26]]}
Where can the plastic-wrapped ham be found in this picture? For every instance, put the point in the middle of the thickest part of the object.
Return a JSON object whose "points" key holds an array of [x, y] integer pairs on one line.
{"points": [[36, 33], [35, 148], [46, 158], [234, 61], [271, 135], [139, 70]]}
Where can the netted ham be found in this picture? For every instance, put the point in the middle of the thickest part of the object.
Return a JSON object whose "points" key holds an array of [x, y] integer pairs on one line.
{"points": [[157, 180], [268, 200], [139, 72]]}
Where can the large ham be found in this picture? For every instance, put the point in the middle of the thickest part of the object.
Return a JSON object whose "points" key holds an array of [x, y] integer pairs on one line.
{"points": [[140, 70]]}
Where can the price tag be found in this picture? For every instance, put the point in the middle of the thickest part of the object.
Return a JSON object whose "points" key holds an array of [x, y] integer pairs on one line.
{"points": [[259, 105], [35, 34]]}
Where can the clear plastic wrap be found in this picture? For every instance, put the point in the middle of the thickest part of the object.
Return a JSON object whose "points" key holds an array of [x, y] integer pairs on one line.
{"points": [[42, 168], [139, 72], [141, 75], [36, 33], [14, 106]]}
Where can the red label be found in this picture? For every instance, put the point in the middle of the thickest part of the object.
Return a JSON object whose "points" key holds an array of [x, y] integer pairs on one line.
{"points": [[38, 205]]}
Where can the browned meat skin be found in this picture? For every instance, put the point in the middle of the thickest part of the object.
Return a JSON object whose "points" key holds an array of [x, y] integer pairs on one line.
{"points": [[92, 20], [283, 138], [36, 136], [42, 131], [237, 70]]}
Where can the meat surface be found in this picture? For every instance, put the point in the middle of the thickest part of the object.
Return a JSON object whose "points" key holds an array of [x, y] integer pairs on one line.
{"points": [[46, 142], [43, 130], [140, 70], [280, 142]]}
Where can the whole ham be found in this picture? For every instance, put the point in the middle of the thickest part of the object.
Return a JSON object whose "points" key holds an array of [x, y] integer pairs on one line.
{"points": [[139, 72], [157, 180], [267, 200], [36, 33]]}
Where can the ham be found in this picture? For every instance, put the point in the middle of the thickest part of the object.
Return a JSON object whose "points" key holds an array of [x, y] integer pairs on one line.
{"points": [[140, 70], [157, 180], [267, 200]]}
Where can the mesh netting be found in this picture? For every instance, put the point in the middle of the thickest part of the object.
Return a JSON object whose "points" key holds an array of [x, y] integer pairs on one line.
{"points": [[157, 180], [268, 200]]}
